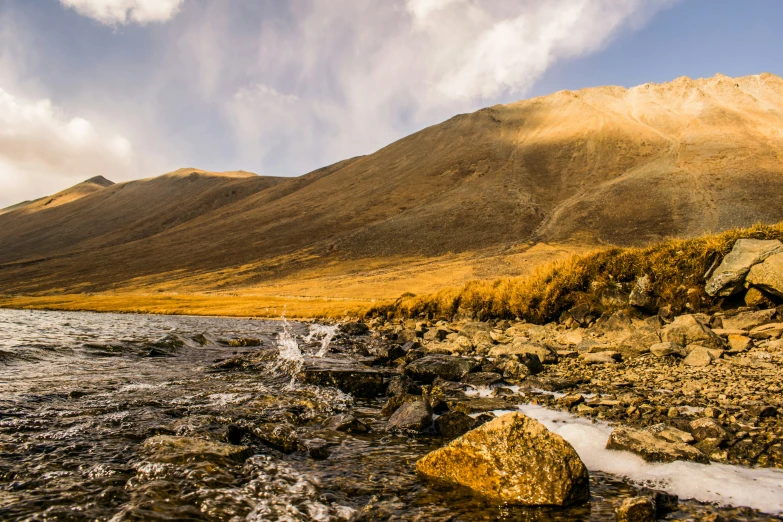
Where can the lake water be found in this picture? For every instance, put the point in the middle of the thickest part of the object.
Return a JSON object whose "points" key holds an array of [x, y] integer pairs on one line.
{"points": [[81, 392]]}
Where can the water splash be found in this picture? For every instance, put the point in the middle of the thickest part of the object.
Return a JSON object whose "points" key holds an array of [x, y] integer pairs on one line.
{"points": [[289, 357], [325, 333]]}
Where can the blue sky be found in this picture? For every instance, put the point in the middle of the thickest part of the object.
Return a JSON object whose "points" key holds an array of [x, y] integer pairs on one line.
{"points": [[134, 88]]}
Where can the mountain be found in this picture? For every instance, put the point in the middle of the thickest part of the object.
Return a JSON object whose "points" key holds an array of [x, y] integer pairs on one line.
{"points": [[65, 196], [599, 166]]}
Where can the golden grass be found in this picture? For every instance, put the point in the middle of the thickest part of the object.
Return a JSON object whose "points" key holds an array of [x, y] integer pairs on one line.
{"points": [[676, 269]]}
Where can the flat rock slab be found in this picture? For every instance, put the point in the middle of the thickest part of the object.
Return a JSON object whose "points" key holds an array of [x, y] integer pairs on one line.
{"points": [[512, 459], [652, 447], [482, 404], [446, 367], [358, 380], [167, 448]]}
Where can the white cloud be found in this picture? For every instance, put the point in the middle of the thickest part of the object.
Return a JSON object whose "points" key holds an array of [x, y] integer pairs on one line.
{"points": [[369, 73], [113, 12], [41, 148]]}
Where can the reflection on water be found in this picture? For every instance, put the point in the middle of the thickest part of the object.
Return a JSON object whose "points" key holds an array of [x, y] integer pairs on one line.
{"points": [[80, 394]]}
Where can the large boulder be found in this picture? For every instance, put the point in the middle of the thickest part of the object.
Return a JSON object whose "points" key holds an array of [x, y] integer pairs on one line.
{"points": [[512, 459], [446, 367], [688, 329], [728, 278], [652, 447], [768, 276]]}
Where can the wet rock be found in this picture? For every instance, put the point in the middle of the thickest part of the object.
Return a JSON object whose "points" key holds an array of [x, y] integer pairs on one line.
{"points": [[396, 401], [519, 366], [244, 341], [167, 448], [706, 428], [402, 385], [636, 509], [730, 274], [454, 424], [687, 329], [651, 447], [359, 381], [411, 417], [569, 401], [700, 357], [346, 423], [768, 276], [354, 328], [511, 459], [282, 437], [385, 353], [749, 320], [318, 449], [664, 349], [672, 434], [481, 404], [446, 367], [482, 378]]}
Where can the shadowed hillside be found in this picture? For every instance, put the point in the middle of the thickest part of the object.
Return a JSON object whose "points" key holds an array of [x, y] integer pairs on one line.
{"points": [[599, 166]]}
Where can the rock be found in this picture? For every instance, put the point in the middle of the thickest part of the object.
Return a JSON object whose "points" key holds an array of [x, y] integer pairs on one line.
{"points": [[318, 449], [636, 509], [244, 341], [664, 349], [641, 296], [402, 385], [706, 428], [347, 423], [651, 447], [354, 328], [768, 276], [446, 367], [519, 366], [436, 334], [470, 329], [749, 320], [282, 437], [739, 343], [730, 274], [581, 314], [763, 411], [481, 404], [386, 353], [396, 401], [359, 381], [687, 329], [181, 450], [411, 417], [511, 459], [454, 424], [544, 353], [482, 378], [569, 401], [406, 336], [638, 342], [600, 358], [768, 331], [672, 434], [699, 357], [758, 298]]}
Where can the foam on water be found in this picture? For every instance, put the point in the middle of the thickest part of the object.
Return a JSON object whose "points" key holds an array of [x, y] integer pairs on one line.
{"points": [[290, 358], [323, 332], [758, 488]]}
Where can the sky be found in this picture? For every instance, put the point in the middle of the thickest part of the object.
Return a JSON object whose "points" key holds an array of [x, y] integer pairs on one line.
{"points": [[135, 88]]}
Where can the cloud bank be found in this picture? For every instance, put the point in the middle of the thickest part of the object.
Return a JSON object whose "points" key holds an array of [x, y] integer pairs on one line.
{"points": [[113, 12]]}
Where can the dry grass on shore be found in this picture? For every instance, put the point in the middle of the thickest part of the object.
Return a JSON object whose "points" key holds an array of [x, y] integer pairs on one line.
{"points": [[676, 269]]}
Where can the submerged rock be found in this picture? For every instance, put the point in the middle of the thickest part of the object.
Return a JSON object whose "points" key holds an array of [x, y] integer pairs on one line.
{"points": [[511, 459], [347, 423], [636, 509], [167, 448], [652, 447], [359, 381]]}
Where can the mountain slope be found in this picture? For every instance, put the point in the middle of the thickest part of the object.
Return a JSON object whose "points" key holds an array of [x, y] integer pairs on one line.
{"points": [[595, 166], [68, 195]]}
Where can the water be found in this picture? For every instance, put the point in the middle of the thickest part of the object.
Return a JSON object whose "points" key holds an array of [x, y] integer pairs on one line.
{"points": [[80, 394]]}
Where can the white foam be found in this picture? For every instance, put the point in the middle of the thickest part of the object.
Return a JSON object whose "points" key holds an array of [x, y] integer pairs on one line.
{"points": [[323, 332], [757, 488]]}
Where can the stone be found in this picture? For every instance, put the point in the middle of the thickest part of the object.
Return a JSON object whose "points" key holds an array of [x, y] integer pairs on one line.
{"points": [[768, 276], [470, 329], [359, 381], [318, 449], [347, 423], [749, 320], [386, 352], [281, 437], [581, 314], [664, 349], [641, 295], [636, 509], [402, 385], [758, 298], [739, 343], [519, 366], [687, 329], [511, 459], [482, 378], [672, 434], [699, 357], [436, 334], [731, 273], [544, 353], [181, 450], [600, 358], [768, 331], [569, 401], [454, 424], [395, 401], [651, 447], [638, 342], [244, 341], [763, 411], [354, 328], [411, 417], [481, 404], [446, 367], [407, 335], [706, 428]]}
